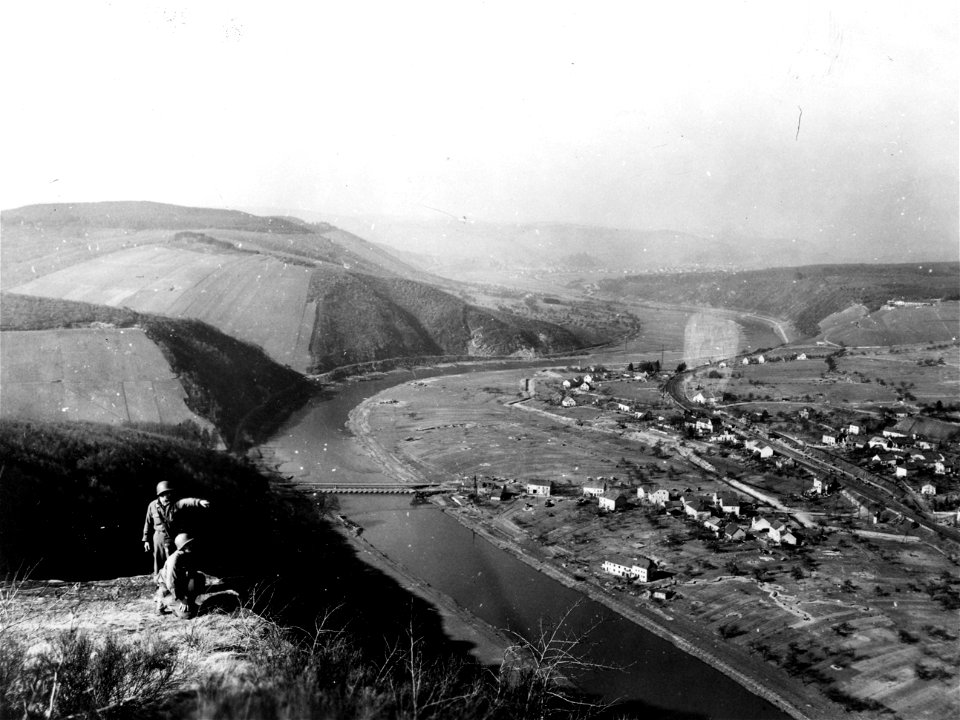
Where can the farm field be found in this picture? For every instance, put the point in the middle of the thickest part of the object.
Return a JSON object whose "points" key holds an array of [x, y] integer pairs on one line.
{"points": [[255, 298], [861, 377], [868, 623], [898, 325], [105, 375]]}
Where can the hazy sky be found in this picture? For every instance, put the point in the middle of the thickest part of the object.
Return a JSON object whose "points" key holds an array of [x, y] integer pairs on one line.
{"points": [[648, 115]]}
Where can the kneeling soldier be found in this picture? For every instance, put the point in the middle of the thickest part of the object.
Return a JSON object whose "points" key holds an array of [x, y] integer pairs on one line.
{"points": [[180, 582]]}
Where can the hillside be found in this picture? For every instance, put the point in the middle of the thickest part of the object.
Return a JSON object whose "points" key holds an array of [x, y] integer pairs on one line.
{"points": [[234, 386], [312, 298], [804, 295], [362, 318]]}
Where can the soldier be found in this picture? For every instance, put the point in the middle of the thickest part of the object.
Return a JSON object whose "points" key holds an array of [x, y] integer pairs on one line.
{"points": [[161, 522], [180, 582]]}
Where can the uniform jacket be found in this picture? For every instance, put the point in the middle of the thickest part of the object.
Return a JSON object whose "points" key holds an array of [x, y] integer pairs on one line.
{"points": [[163, 520], [177, 572]]}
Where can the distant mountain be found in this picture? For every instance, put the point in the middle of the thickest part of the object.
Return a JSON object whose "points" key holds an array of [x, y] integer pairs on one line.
{"points": [[466, 249]]}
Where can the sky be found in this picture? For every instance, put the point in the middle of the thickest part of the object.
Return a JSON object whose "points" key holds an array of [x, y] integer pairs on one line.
{"points": [[773, 119]]}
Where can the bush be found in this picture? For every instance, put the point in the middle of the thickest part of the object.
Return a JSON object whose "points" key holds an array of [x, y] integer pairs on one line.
{"points": [[76, 676]]}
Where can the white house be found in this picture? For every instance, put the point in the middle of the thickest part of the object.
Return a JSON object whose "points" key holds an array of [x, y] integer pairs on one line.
{"points": [[802, 356], [727, 503], [928, 489], [595, 488], [714, 524], [893, 434], [900, 471], [939, 468], [817, 488], [723, 364], [745, 361], [623, 407], [829, 440], [613, 500], [765, 452], [538, 487], [660, 496], [568, 402], [639, 569], [759, 524], [853, 429]]}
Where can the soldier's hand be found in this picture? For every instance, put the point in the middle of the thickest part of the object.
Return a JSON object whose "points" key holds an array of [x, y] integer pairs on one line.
{"points": [[204, 503], [146, 546]]}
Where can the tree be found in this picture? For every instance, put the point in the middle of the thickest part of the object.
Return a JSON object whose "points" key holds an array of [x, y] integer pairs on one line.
{"points": [[681, 367]]}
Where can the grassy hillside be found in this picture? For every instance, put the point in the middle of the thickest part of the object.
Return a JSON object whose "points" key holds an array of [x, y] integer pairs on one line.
{"points": [[362, 318], [804, 295], [230, 383]]}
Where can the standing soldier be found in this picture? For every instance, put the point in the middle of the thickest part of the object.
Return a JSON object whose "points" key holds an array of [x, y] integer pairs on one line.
{"points": [[161, 522]]}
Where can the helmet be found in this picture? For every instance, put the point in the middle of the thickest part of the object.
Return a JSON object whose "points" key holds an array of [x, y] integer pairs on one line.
{"points": [[182, 540], [164, 486]]}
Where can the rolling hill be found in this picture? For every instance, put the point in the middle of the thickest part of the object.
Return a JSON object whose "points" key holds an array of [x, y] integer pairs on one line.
{"points": [[805, 295], [311, 295]]}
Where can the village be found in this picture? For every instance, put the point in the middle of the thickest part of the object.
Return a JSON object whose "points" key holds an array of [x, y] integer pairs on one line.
{"points": [[780, 528]]}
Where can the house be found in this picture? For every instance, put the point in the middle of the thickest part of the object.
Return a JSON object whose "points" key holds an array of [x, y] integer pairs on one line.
{"points": [[538, 487], [802, 356], [661, 497], [877, 441], [928, 489], [639, 569], [699, 398], [698, 510], [829, 440], [760, 524], [723, 364], [674, 507], [745, 361], [765, 452], [595, 488], [619, 566], [732, 531], [613, 500], [713, 524], [568, 402], [900, 471], [789, 538], [727, 503], [853, 429], [893, 433], [939, 468], [623, 407], [804, 413], [817, 488]]}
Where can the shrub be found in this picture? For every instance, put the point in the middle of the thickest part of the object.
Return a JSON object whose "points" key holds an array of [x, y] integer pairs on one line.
{"points": [[75, 675]]}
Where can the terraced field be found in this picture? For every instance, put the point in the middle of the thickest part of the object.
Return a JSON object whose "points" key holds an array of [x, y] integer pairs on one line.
{"points": [[255, 298], [103, 375]]}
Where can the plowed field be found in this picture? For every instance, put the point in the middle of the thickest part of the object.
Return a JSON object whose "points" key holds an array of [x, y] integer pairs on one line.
{"points": [[255, 298], [103, 375]]}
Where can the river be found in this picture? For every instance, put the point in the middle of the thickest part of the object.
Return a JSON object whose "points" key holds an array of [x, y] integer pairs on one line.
{"points": [[645, 670]]}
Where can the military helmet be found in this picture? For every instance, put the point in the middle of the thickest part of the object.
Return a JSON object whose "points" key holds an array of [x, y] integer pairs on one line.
{"points": [[182, 540], [164, 486]]}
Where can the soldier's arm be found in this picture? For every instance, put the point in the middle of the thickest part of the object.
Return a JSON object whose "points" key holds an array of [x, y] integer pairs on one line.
{"points": [[148, 525]]}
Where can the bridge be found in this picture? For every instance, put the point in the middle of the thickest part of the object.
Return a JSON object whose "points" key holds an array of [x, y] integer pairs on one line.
{"points": [[379, 489]]}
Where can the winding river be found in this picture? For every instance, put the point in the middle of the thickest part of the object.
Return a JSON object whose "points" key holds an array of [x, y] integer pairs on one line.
{"points": [[645, 671]]}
